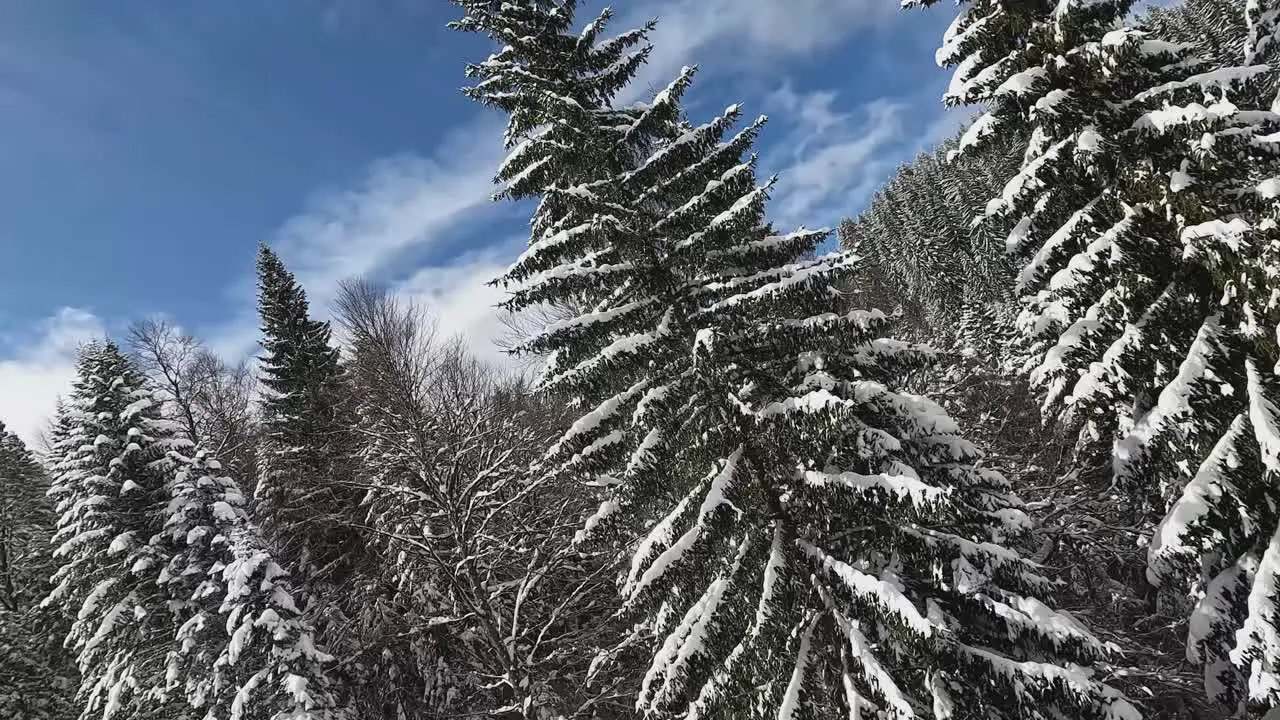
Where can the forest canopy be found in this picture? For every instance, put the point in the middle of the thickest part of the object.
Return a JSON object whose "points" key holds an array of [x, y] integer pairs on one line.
{"points": [[1011, 450]]}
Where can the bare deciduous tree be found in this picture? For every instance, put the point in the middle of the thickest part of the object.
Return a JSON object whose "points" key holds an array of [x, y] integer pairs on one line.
{"points": [[480, 567], [210, 398]]}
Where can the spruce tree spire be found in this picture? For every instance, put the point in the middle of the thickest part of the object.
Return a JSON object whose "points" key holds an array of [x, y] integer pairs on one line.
{"points": [[301, 487], [299, 362], [808, 540]]}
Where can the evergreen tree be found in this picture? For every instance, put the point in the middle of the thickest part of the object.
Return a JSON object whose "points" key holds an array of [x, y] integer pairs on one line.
{"points": [[37, 679], [1214, 27], [243, 651], [1146, 211], [812, 541], [111, 460], [303, 493], [917, 235]]}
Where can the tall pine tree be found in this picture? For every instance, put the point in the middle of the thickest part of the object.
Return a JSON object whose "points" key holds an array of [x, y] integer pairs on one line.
{"points": [[111, 463], [303, 496], [812, 541], [1146, 213], [37, 678]]}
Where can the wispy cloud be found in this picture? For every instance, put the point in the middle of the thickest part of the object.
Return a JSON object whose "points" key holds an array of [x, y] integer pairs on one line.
{"points": [[760, 32], [459, 297], [829, 161], [40, 368], [403, 203], [830, 150], [402, 209]]}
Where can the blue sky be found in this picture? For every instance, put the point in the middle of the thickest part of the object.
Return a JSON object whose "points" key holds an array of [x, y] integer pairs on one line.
{"points": [[148, 147]]}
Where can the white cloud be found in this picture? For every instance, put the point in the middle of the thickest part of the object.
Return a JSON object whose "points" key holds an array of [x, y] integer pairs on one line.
{"points": [[402, 206], [759, 32], [40, 369], [459, 297], [829, 161], [402, 203]]}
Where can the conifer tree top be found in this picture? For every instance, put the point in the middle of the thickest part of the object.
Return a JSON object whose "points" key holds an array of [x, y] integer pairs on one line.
{"points": [[298, 355], [283, 306], [111, 458]]}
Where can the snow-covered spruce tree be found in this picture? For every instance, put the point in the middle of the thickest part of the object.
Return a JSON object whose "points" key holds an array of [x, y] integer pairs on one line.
{"points": [[1146, 207], [110, 465], [811, 542], [302, 493], [243, 651], [37, 677]]}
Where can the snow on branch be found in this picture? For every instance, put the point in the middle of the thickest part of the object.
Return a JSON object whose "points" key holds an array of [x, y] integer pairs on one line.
{"points": [[881, 593], [1170, 541], [715, 498]]}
